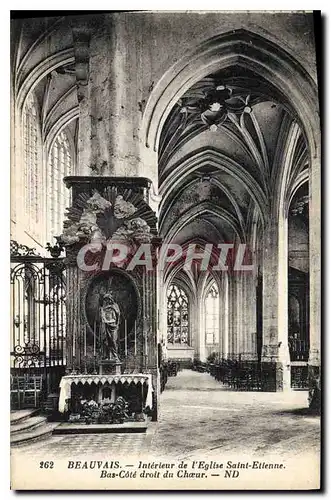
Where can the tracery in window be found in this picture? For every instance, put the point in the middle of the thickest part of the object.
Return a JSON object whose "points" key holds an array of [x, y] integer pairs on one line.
{"points": [[60, 165], [177, 316], [212, 315], [32, 161]]}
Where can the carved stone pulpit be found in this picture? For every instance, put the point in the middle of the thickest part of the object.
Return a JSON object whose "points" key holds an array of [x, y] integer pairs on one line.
{"points": [[111, 302]]}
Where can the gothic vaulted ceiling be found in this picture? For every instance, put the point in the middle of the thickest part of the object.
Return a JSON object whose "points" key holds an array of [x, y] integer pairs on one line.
{"points": [[221, 154], [43, 64]]}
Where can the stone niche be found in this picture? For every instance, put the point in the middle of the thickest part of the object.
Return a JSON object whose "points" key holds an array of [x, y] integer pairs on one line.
{"points": [[106, 210]]}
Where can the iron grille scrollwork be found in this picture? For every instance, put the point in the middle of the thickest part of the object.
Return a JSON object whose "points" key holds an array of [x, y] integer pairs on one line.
{"points": [[19, 250], [27, 355]]}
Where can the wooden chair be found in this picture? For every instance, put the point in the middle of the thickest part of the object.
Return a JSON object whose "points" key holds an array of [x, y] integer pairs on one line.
{"points": [[25, 391]]}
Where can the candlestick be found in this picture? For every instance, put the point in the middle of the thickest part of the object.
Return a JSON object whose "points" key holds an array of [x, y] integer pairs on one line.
{"points": [[135, 338], [85, 341], [73, 344], [144, 321], [145, 354], [95, 339], [146, 346], [125, 338]]}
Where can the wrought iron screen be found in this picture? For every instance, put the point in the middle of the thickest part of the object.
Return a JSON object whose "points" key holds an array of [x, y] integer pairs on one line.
{"points": [[38, 316]]}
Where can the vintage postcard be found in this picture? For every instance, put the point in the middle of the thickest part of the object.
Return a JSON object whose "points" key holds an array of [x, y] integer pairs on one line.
{"points": [[165, 251]]}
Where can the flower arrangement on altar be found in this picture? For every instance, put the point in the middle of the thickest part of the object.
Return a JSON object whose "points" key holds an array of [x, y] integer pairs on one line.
{"points": [[105, 412]]}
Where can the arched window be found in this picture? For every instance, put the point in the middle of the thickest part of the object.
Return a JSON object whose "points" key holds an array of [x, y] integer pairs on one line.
{"points": [[212, 315], [60, 164], [177, 316], [32, 162]]}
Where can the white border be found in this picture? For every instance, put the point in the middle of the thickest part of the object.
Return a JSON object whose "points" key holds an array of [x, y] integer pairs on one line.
{"points": [[5, 177]]}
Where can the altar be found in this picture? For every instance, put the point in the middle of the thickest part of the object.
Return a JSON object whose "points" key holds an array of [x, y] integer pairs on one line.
{"points": [[111, 324], [102, 382]]}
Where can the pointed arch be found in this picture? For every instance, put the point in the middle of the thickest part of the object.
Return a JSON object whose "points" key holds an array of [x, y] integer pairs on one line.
{"points": [[198, 210], [46, 66], [214, 158], [291, 82]]}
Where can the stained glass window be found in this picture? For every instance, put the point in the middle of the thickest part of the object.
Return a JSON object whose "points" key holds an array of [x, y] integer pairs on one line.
{"points": [[32, 161], [60, 164], [177, 316], [212, 315]]}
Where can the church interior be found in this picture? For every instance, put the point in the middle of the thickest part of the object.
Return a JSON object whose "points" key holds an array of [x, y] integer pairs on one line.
{"points": [[195, 130]]}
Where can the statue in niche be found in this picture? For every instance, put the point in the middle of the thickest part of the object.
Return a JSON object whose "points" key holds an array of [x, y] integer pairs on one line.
{"points": [[110, 318]]}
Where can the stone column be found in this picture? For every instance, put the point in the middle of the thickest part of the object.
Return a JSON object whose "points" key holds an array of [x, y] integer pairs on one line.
{"points": [[249, 316], [239, 312], [162, 305], [233, 314], [314, 283], [275, 358], [243, 315], [94, 46], [198, 318], [109, 74], [111, 96], [151, 332], [225, 317]]}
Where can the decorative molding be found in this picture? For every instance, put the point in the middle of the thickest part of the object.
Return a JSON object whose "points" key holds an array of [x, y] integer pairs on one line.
{"points": [[107, 216], [213, 105], [81, 37], [209, 103]]}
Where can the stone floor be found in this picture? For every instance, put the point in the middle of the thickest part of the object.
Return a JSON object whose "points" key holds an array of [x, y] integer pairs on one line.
{"points": [[200, 417]]}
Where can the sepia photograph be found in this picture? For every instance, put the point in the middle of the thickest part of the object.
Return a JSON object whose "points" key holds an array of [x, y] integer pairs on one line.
{"points": [[165, 250]]}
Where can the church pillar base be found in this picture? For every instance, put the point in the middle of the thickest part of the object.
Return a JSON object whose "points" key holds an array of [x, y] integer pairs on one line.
{"points": [[275, 376], [275, 368], [314, 385]]}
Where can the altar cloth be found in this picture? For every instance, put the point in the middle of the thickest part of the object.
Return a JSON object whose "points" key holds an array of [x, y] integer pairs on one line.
{"points": [[67, 381]]}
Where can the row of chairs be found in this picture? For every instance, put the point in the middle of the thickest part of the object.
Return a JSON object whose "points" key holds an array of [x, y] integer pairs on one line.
{"points": [[173, 368], [199, 366], [168, 369], [238, 375], [299, 377]]}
